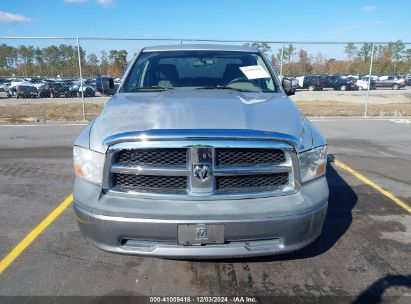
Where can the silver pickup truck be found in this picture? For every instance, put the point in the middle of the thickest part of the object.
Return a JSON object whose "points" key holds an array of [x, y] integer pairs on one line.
{"points": [[200, 153]]}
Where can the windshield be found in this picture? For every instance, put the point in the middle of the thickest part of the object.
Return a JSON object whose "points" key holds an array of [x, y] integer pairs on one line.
{"points": [[242, 71]]}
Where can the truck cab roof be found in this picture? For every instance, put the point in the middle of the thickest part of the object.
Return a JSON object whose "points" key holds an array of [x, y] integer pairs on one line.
{"points": [[200, 47]]}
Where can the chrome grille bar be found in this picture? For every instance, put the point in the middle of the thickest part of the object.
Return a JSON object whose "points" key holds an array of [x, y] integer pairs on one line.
{"points": [[251, 170], [146, 170], [170, 171]]}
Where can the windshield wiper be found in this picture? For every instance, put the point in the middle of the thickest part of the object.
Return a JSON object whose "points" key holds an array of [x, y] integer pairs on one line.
{"points": [[151, 88], [225, 88]]}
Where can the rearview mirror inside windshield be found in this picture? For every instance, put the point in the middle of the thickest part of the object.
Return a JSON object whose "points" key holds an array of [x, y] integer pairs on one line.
{"points": [[203, 62]]}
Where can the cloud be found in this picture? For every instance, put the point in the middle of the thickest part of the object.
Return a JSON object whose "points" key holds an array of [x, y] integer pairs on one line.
{"points": [[377, 22], [75, 1], [369, 8], [105, 2], [13, 18]]}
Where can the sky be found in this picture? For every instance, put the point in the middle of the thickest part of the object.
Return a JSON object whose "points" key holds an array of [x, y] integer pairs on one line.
{"points": [[319, 20]]}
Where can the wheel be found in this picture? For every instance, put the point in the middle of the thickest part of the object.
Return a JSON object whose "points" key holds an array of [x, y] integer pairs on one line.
{"points": [[17, 96], [395, 87], [360, 88], [51, 95], [343, 88], [311, 88]]}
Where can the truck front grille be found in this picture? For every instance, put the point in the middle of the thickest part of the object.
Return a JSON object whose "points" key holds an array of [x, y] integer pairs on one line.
{"points": [[153, 157], [201, 169], [245, 157], [150, 183], [251, 183]]}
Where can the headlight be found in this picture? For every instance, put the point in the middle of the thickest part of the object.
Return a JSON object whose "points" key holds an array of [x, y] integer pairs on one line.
{"points": [[88, 164], [313, 163]]}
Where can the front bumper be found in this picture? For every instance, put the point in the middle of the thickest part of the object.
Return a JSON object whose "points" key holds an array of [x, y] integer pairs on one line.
{"points": [[252, 227], [244, 238]]}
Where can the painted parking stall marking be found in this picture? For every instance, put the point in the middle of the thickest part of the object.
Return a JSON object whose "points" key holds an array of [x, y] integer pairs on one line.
{"points": [[370, 183], [14, 254]]}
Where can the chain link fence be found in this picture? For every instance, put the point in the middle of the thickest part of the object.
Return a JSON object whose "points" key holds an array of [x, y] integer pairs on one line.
{"points": [[53, 78]]}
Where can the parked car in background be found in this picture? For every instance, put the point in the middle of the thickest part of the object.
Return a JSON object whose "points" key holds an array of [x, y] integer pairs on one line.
{"points": [[40, 84], [362, 83], [338, 83], [69, 88], [43, 88], [59, 89], [392, 81], [4, 86], [408, 80], [36, 82], [22, 91], [310, 82], [91, 83], [319, 82], [78, 87], [15, 82]]}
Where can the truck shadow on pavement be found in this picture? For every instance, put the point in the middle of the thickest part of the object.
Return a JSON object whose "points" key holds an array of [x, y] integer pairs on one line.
{"points": [[339, 218], [374, 293]]}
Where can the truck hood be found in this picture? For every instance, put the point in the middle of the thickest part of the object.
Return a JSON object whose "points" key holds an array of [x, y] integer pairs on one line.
{"points": [[202, 111]]}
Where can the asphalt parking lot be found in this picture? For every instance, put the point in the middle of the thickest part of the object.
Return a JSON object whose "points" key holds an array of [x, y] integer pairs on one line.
{"points": [[365, 248]]}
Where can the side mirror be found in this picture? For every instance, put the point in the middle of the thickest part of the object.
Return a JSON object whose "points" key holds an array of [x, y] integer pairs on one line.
{"points": [[105, 85], [290, 85]]}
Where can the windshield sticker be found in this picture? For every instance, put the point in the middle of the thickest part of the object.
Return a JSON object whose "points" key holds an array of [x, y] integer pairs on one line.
{"points": [[254, 72]]}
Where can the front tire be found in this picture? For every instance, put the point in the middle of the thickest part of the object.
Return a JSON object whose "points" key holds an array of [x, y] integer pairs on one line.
{"points": [[343, 88], [395, 87], [311, 88]]}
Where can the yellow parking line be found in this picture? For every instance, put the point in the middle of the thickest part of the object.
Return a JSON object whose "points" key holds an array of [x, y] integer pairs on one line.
{"points": [[34, 234], [370, 183]]}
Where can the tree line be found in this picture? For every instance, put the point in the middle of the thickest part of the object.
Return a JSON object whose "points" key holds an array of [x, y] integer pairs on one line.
{"points": [[393, 57], [61, 60]]}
